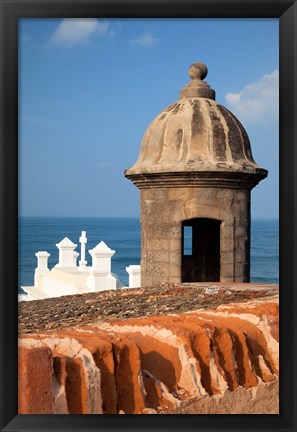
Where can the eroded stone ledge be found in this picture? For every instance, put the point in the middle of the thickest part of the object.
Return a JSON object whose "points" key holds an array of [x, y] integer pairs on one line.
{"points": [[213, 359]]}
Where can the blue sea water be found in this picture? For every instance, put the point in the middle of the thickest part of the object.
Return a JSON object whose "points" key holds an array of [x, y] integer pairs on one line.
{"points": [[123, 236]]}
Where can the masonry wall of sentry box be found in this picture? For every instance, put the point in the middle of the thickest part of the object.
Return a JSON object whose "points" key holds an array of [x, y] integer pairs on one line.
{"points": [[195, 170]]}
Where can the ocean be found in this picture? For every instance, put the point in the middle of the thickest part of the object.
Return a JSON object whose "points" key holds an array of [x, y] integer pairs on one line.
{"points": [[123, 236]]}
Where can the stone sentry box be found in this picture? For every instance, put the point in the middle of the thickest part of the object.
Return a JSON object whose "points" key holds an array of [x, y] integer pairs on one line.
{"points": [[195, 169]]}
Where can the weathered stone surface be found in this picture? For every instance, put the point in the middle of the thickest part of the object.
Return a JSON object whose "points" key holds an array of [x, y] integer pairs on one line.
{"points": [[157, 238], [195, 163], [35, 390], [72, 380], [223, 359], [66, 311], [189, 122]]}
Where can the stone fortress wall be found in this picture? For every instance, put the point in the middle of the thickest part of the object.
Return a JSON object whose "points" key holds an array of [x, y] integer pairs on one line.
{"points": [[162, 211]]}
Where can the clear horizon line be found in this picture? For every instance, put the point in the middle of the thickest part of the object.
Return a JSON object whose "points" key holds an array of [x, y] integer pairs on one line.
{"points": [[116, 217]]}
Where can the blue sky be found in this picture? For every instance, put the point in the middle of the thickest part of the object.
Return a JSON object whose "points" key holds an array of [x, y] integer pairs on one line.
{"points": [[88, 89]]}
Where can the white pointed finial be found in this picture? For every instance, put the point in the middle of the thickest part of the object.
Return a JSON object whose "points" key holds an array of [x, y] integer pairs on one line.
{"points": [[66, 248], [101, 256]]}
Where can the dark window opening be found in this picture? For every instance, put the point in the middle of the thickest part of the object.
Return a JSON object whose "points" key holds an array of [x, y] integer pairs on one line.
{"points": [[201, 250]]}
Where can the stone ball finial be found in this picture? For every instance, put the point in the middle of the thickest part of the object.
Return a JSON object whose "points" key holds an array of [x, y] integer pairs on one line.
{"points": [[198, 70], [197, 87]]}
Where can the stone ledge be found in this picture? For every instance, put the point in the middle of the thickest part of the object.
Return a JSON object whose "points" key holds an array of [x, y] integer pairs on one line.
{"points": [[65, 311], [217, 358], [189, 179]]}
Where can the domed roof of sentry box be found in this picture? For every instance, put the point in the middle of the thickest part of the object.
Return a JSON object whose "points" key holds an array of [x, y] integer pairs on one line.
{"points": [[195, 135]]}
